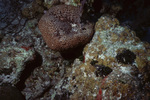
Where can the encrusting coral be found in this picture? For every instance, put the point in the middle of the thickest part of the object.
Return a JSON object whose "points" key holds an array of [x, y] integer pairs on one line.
{"points": [[115, 66], [62, 29]]}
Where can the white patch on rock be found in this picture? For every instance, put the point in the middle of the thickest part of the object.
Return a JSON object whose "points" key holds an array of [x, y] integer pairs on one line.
{"points": [[101, 56], [125, 70]]}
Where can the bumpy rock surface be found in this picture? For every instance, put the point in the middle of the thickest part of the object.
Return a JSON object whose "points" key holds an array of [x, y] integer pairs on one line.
{"points": [[62, 29], [118, 48], [116, 66], [45, 76], [13, 60], [11, 20], [35, 68], [70, 2]]}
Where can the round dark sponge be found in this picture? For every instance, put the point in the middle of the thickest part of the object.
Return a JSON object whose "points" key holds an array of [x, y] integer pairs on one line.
{"points": [[126, 57], [62, 29]]}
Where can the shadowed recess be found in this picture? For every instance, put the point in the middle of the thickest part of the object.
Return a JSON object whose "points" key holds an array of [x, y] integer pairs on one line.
{"points": [[29, 67]]}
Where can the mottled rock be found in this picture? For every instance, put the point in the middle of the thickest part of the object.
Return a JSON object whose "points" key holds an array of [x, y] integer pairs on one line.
{"points": [[37, 7], [71, 2], [40, 74], [11, 19], [12, 61], [111, 42], [51, 72], [50, 3], [81, 82], [33, 10]]}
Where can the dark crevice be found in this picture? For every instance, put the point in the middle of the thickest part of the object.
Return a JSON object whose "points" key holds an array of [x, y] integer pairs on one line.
{"points": [[29, 67], [72, 53]]}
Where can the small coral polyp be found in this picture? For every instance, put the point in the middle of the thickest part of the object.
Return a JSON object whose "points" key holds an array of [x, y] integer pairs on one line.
{"points": [[61, 28]]}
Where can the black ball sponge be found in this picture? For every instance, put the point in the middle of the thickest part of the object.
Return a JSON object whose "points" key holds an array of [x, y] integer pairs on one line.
{"points": [[126, 57]]}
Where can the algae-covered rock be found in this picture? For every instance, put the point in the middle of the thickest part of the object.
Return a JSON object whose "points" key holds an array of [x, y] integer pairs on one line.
{"points": [[118, 48], [81, 82], [11, 20], [12, 61], [49, 3], [33, 10], [44, 77], [114, 66], [71, 2]]}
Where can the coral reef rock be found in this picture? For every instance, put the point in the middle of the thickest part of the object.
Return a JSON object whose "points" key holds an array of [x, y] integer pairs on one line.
{"points": [[27, 63], [116, 66], [11, 20], [13, 60], [44, 77], [118, 48], [62, 29], [71, 2]]}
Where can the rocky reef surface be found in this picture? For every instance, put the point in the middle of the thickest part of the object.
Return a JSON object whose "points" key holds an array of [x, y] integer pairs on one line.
{"points": [[114, 65], [11, 20]]}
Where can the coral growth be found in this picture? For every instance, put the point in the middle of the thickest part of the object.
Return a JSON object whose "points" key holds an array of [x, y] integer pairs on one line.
{"points": [[107, 72], [33, 10], [13, 60], [118, 48]]}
